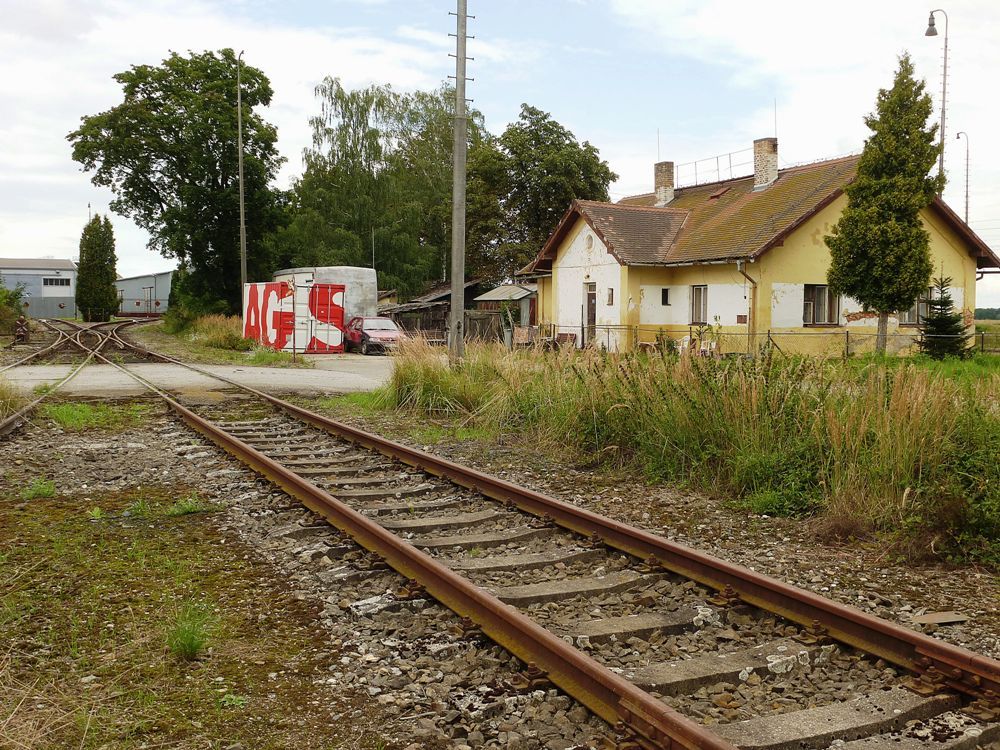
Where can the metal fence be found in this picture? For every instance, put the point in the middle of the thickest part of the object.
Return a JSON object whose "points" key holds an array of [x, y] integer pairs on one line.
{"points": [[841, 342]]}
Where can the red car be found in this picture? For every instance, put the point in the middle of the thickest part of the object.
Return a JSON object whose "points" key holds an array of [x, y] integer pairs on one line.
{"points": [[368, 335]]}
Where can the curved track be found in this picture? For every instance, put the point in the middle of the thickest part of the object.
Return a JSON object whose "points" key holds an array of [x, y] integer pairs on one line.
{"points": [[530, 572]]}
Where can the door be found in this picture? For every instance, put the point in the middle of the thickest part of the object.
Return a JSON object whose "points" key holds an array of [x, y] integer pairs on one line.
{"points": [[590, 310]]}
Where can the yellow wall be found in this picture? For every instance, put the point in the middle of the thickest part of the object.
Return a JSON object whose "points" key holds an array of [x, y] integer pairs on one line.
{"points": [[803, 258]]}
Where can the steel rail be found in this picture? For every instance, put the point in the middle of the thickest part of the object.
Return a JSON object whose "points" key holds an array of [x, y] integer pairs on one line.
{"points": [[62, 339], [653, 725], [945, 664], [15, 420]]}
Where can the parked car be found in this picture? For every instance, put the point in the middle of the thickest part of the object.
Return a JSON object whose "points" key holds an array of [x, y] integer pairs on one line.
{"points": [[368, 335]]}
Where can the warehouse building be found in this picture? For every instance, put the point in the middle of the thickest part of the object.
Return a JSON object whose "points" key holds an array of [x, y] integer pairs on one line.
{"points": [[145, 295], [49, 285]]}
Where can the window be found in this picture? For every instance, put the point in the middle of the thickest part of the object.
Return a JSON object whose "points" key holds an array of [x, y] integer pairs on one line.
{"points": [[55, 282], [665, 297], [819, 307], [918, 312], [611, 296], [699, 305]]}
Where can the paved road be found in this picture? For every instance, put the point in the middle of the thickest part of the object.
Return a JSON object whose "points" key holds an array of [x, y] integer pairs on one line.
{"points": [[333, 374]]}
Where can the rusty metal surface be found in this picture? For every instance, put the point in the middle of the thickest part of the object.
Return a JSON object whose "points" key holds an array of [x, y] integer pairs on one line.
{"points": [[652, 724], [962, 670], [19, 417]]}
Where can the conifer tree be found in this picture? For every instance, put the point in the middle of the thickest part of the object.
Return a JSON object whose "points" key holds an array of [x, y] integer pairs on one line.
{"points": [[942, 330], [96, 295], [880, 252]]}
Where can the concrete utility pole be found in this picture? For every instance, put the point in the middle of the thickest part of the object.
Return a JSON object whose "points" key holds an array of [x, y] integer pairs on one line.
{"points": [[456, 338], [239, 130]]}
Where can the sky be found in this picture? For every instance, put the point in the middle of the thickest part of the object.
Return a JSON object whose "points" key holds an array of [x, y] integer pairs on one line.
{"points": [[642, 80]]}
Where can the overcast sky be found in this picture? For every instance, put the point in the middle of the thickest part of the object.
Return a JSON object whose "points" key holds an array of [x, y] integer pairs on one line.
{"points": [[705, 74]]}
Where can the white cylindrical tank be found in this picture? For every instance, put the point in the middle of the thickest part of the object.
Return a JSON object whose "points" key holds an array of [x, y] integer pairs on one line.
{"points": [[360, 285]]}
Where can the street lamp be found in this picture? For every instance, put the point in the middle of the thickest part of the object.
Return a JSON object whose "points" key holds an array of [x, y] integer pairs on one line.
{"points": [[239, 130], [932, 31], [958, 137]]}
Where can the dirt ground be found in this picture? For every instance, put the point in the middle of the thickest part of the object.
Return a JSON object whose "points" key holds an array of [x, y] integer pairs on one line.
{"points": [[111, 573]]}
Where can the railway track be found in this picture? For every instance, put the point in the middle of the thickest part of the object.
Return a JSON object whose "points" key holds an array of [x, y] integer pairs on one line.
{"points": [[672, 647]]}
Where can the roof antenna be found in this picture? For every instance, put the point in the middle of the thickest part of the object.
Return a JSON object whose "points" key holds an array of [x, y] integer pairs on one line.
{"points": [[657, 144], [776, 117]]}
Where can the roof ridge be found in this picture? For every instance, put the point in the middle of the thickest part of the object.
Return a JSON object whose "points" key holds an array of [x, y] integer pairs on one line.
{"points": [[653, 209]]}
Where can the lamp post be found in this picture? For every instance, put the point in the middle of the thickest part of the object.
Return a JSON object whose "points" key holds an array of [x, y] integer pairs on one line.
{"points": [[932, 31], [239, 130], [958, 137]]}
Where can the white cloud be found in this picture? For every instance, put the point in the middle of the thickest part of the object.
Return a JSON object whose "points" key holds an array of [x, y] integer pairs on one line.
{"points": [[56, 63], [825, 67]]}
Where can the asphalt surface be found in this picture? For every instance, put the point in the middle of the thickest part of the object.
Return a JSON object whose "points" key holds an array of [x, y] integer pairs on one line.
{"points": [[342, 373]]}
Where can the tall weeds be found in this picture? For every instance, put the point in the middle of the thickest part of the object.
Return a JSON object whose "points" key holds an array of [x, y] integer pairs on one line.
{"points": [[871, 446], [10, 399]]}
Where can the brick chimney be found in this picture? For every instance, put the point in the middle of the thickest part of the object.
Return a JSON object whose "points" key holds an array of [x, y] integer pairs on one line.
{"points": [[663, 182], [765, 162]]}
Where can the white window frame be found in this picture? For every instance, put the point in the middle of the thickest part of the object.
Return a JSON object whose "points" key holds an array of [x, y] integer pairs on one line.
{"points": [[699, 304], [822, 309], [918, 312]]}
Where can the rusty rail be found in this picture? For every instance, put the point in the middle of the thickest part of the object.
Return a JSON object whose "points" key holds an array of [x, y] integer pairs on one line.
{"points": [[15, 420], [641, 718], [946, 664]]}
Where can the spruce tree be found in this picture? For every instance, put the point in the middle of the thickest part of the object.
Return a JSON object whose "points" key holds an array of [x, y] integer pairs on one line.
{"points": [[879, 250], [942, 330], [96, 295]]}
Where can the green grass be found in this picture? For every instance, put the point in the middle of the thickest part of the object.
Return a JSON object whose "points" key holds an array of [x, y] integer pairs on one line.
{"points": [[212, 339], [95, 514], [187, 636], [39, 488], [871, 444], [188, 505], [140, 508], [367, 402], [80, 416], [263, 357]]}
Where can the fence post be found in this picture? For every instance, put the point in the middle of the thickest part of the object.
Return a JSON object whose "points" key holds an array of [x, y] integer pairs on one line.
{"points": [[847, 343], [982, 342]]}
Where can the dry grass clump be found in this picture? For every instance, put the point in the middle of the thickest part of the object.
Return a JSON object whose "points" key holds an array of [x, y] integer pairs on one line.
{"points": [[10, 399], [886, 447], [220, 332]]}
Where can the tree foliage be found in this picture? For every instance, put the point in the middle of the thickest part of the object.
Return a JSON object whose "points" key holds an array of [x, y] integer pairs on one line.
{"points": [[521, 184], [880, 252], [377, 178], [943, 331], [169, 153], [96, 294]]}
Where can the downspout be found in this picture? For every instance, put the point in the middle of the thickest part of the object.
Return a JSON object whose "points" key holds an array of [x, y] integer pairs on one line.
{"points": [[751, 321]]}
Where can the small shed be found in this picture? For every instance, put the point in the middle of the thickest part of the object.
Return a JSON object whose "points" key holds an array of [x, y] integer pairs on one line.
{"points": [[519, 297], [429, 313]]}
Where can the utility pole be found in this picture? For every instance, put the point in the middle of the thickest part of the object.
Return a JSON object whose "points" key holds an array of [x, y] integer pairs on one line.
{"points": [[239, 130], [456, 339], [932, 31]]}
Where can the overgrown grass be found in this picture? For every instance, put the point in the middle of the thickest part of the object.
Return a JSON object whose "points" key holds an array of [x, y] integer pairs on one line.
{"points": [[212, 339], [869, 446], [10, 399], [80, 416], [188, 633], [220, 332]]}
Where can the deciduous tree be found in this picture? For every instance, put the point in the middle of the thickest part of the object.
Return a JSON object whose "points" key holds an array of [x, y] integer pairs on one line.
{"points": [[879, 249], [96, 295], [169, 153]]}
